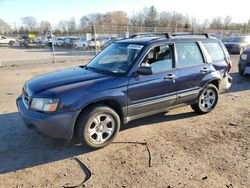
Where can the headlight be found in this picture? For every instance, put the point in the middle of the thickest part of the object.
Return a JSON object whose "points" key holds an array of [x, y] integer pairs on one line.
{"points": [[44, 104], [244, 56]]}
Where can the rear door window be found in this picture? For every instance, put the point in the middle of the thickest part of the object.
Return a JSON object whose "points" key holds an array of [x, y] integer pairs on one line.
{"points": [[215, 51], [188, 54]]}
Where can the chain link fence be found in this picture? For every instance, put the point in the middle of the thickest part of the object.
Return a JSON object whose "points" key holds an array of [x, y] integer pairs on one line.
{"points": [[83, 44]]}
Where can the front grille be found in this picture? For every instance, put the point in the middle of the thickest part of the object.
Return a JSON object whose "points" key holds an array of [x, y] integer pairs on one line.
{"points": [[26, 99]]}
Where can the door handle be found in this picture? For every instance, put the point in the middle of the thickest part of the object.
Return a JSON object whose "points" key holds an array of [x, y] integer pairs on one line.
{"points": [[169, 77], [204, 69]]}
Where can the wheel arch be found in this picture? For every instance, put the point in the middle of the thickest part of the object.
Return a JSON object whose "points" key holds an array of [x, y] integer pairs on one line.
{"points": [[115, 105]]}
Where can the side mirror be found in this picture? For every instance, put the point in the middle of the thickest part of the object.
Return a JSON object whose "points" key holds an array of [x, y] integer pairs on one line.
{"points": [[144, 71]]}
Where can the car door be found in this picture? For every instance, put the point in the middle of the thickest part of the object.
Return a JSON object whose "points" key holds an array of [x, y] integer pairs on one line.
{"points": [[191, 71], [154, 92]]}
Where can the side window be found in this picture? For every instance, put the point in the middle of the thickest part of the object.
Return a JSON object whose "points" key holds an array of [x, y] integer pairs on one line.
{"points": [[215, 51], [160, 58], [188, 54]]}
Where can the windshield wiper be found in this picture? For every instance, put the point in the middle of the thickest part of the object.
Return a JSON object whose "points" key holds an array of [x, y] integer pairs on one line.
{"points": [[96, 70]]}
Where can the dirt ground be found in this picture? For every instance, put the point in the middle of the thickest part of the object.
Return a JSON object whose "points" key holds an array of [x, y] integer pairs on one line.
{"points": [[187, 149]]}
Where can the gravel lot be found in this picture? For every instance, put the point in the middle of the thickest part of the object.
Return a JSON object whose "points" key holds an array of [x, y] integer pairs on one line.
{"points": [[33, 55], [187, 150]]}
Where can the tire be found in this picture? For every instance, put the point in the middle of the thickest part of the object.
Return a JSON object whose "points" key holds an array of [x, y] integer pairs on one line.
{"points": [[207, 100], [241, 72], [11, 43], [92, 130]]}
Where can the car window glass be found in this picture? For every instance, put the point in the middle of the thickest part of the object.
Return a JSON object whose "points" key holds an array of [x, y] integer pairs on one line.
{"points": [[215, 51], [188, 54], [159, 58], [116, 58]]}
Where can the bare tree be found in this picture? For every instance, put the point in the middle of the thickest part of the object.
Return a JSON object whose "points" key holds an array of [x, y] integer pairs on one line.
{"points": [[71, 25], [63, 26], [4, 27], [137, 19], [30, 22], [164, 19], [118, 18], [216, 23], [151, 17], [44, 26], [227, 21]]}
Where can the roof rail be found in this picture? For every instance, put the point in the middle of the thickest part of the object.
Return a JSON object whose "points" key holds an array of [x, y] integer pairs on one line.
{"points": [[151, 34], [190, 33]]}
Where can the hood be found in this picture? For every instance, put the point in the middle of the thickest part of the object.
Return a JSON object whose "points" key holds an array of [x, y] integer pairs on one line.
{"points": [[61, 78], [247, 50]]}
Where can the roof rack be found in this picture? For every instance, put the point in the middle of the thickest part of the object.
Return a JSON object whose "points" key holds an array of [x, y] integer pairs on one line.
{"points": [[151, 34], [190, 34], [168, 35]]}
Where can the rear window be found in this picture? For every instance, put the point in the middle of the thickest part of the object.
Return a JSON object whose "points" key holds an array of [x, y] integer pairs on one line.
{"points": [[215, 51]]}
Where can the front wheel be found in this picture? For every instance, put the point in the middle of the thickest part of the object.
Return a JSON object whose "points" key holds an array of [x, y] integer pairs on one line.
{"points": [[207, 100], [98, 126]]}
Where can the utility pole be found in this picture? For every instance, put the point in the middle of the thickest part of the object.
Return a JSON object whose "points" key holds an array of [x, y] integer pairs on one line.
{"points": [[53, 47], [95, 39]]}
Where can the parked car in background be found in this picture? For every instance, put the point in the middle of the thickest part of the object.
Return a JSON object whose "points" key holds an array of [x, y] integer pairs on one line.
{"points": [[130, 79], [104, 40], [94, 43], [69, 41], [31, 40], [244, 63], [237, 44], [7, 40], [58, 41], [81, 43]]}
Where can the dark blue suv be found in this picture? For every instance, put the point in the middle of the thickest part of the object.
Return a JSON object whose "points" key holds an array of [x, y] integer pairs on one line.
{"points": [[129, 79]]}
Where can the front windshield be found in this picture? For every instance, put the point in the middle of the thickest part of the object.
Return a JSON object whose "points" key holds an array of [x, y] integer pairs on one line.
{"points": [[116, 58], [237, 39]]}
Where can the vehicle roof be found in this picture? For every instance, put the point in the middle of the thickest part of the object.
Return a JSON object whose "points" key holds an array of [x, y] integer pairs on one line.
{"points": [[149, 40]]}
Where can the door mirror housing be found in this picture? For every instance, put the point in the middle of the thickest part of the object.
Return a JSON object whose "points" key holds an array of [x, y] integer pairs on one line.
{"points": [[144, 71]]}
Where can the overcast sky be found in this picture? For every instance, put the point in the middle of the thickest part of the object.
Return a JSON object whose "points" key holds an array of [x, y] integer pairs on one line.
{"points": [[55, 10]]}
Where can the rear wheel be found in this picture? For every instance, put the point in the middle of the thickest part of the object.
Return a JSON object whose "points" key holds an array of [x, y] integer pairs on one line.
{"points": [[98, 126], [207, 100], [241, 72]]}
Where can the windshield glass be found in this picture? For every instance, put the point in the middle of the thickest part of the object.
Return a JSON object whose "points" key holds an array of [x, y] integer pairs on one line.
{"points": [[116, 58], [237, 39]]}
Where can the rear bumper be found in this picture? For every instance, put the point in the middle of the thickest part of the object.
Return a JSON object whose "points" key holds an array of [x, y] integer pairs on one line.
{"points": [[60, 125], [225, 83]]}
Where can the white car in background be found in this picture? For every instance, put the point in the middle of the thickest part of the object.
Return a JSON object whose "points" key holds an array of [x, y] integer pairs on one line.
{"points": [[58, 41], [94, 43], [6, 40], [81, 43]]}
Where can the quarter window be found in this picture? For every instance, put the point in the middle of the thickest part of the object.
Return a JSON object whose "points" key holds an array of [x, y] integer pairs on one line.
{"points": [[215, 51], [188, 54]]}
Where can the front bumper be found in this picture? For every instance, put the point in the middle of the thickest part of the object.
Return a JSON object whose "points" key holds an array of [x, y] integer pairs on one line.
{"points": [[225, 83], [56, 125], [244, 66]]}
